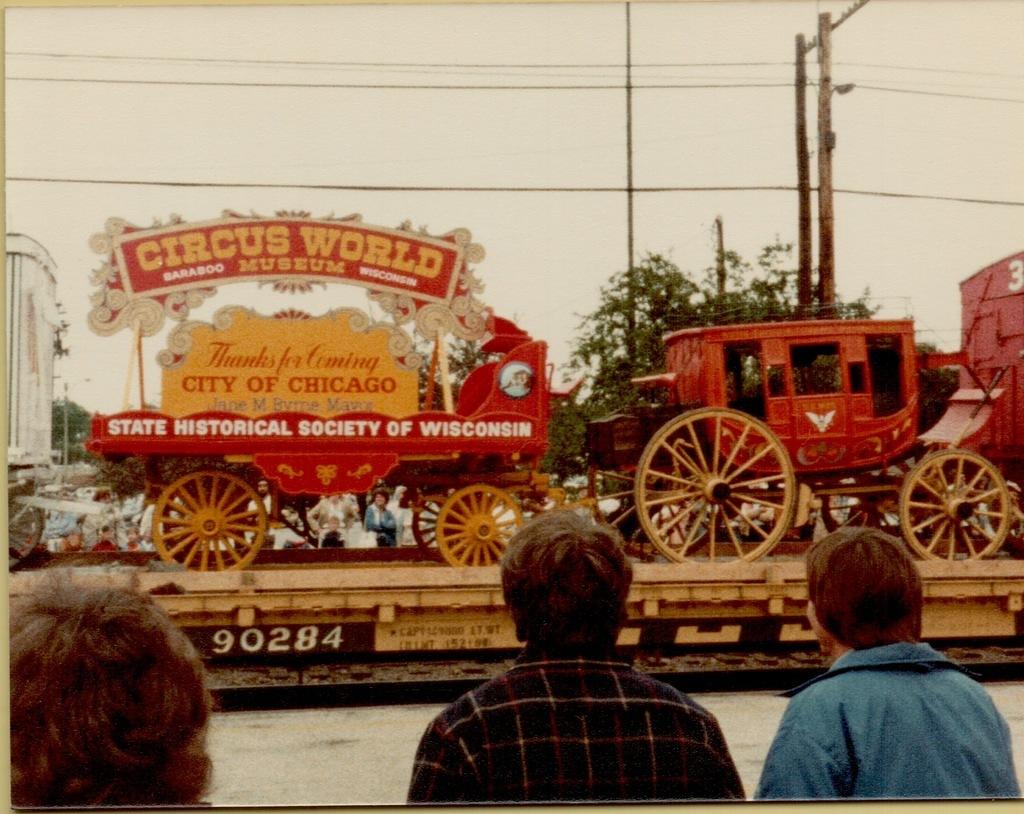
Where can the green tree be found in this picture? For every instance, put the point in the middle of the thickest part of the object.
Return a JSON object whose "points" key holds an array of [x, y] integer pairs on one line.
{"points": [[934, 389], [464, 356], [79, 421], [623, 338]]}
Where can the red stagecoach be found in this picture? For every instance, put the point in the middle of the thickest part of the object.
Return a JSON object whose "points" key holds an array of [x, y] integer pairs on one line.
{"points": [[764, 428]]}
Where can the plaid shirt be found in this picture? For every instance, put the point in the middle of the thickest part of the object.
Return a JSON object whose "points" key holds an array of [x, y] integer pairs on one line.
{"points": [[573, 729]]}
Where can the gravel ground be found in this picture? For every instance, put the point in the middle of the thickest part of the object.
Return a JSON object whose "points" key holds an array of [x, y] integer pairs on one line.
{"points": [[363, 755]]}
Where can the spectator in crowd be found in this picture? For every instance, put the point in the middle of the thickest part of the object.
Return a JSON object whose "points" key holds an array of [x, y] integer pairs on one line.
{"points": [[343, 507], [106, 515], [570, 721], [146, 518], [73, 543], [332, 536], [264, 496], [59, 525], [133, 540], [105, 540], [379, 521], [400, 506], [892, 717], [108, 702]]}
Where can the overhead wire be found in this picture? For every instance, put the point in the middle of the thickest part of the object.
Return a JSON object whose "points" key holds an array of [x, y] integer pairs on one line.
{"points": [[502, 189], [382, 86], [346, 63]]}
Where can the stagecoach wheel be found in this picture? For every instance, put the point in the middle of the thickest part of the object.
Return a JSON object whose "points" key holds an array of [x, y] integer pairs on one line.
{"points": [[424, 520], [713, 485], [475, 524], [24, 529], [955, 505], [879, 510], [209, 521]]}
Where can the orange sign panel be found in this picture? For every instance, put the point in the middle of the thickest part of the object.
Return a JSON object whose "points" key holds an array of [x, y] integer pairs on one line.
{"points": [[258, 365]]}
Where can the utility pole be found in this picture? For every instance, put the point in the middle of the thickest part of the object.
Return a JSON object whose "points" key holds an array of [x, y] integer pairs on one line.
{"points": [[65, 425], [804, 293], [826, 293], [826, 143], [630, 281], [720, 257]]}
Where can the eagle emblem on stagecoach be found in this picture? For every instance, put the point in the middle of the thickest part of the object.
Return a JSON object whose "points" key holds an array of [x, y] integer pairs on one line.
{"points": [[821, 421]]}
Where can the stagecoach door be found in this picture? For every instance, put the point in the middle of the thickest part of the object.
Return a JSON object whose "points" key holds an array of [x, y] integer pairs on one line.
{"points": [[806, 401]]}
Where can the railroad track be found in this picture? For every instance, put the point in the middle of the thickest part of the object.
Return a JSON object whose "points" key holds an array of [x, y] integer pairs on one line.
{"points": [[372, 683]]}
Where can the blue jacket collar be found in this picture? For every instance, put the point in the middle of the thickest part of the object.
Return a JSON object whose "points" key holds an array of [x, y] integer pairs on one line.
{"points": [[912, 656]]}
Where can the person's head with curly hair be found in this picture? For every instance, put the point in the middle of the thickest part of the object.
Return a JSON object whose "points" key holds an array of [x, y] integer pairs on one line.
{"points": [[109, 704]]}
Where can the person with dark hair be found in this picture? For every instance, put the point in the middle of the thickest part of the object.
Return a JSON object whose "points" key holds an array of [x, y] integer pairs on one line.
{"points": [[379, 520], [892, 718], [109, 705], [570, 721]]}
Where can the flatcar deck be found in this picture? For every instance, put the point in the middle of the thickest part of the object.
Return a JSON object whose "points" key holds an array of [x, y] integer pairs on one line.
{"points": [[379, 608]]}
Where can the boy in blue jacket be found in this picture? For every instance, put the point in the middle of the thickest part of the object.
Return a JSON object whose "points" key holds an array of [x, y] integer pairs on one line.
{"points": [[892, 717]]}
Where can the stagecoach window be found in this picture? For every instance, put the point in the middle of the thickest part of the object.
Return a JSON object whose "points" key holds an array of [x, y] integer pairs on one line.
{"points": [[857, 381], [743, 382], [776, 381], [816, 369], [884, 362]]}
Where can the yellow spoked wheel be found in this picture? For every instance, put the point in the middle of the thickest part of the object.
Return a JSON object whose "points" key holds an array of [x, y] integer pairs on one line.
{"points": [[475, 524], [715, 485], [209, 521], [424, 520], [955, 505]]}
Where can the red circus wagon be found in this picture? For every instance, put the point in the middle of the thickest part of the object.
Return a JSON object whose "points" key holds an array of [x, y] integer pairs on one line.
{"points": [[321, 405]]}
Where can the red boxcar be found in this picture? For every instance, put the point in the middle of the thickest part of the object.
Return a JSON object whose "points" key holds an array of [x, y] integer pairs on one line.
{"points": [[992, 302]]}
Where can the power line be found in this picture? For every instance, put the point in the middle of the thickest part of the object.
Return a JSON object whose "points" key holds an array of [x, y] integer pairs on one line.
{"points": [[349, 64], [942, 93], [370, 86], [503, 189], [929, 69], [484, 65]]}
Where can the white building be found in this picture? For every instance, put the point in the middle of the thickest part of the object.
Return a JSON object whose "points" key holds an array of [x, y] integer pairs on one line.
{"points": [[32, 323]]}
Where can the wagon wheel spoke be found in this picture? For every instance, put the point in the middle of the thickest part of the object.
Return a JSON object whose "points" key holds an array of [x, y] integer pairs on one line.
{"points": [[658, 475], [974, 481], [684, 460], [757, 500], [938, 533], [673, 497], [190, 540], [736, 543], [740, 443], [928, 521], [968, 542], [697, 446], [765, 480], [749, 462], [234, 503]]}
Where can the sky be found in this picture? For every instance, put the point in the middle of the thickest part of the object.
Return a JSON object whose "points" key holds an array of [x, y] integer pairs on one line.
{"points": [[141, 113]]}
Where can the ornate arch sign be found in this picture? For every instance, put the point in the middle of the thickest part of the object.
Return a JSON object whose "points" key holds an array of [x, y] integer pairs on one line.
{"points": [[163, 271]]}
